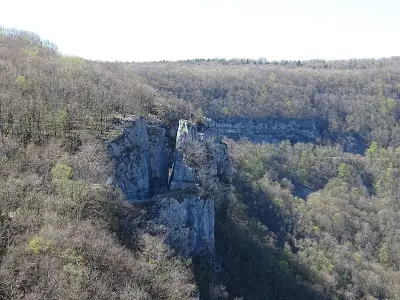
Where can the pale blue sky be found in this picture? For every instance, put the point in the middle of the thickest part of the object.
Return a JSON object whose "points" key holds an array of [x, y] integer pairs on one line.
{"points": [[132, 30]]}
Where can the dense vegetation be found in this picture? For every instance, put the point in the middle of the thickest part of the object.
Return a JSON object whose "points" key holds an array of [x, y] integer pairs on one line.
{"points": [[344, 239], [64, 234]]}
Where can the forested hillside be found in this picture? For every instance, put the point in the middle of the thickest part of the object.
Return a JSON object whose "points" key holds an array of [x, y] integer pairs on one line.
{"points": [[64, 234], [343, 239], [301, 221], [359, 96]]}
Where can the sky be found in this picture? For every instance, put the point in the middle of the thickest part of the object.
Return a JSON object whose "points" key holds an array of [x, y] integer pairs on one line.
{"points": [[153, 30]]}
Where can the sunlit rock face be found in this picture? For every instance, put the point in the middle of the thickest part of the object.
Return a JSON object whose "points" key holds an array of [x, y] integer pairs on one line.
{"points": [[200, 157], [184, 207], [192, 142]]}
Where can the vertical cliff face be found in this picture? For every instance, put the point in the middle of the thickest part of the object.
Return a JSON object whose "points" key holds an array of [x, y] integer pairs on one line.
{"points": [[188, 222], [275, 130], [199, 155], [201, 170], [158, 160], [141, 168]]}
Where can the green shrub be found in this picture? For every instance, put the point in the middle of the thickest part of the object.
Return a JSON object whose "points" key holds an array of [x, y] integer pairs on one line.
{"points": [[61, 172], [38, 244]]}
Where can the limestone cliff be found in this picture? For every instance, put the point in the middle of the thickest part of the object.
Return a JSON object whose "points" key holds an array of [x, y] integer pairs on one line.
{"points": [[274, 130], [188, 221], [140, 156], [200, 155], [201, 170]]}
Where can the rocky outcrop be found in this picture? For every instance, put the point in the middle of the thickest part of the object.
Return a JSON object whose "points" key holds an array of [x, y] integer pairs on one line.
{"points": [[141, 163], [201, 171], [189, 223], [199, 155]]}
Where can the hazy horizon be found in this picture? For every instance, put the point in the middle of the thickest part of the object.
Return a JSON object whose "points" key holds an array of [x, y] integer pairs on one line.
{"points": [[178, 30]]}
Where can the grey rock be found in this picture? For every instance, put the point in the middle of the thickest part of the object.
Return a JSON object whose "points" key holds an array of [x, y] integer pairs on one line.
{"points": [[158, 159], [189, 223], [200, 158], [201, 169], [183, 176], [132, 156], [140, 159], [202, 144]]}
